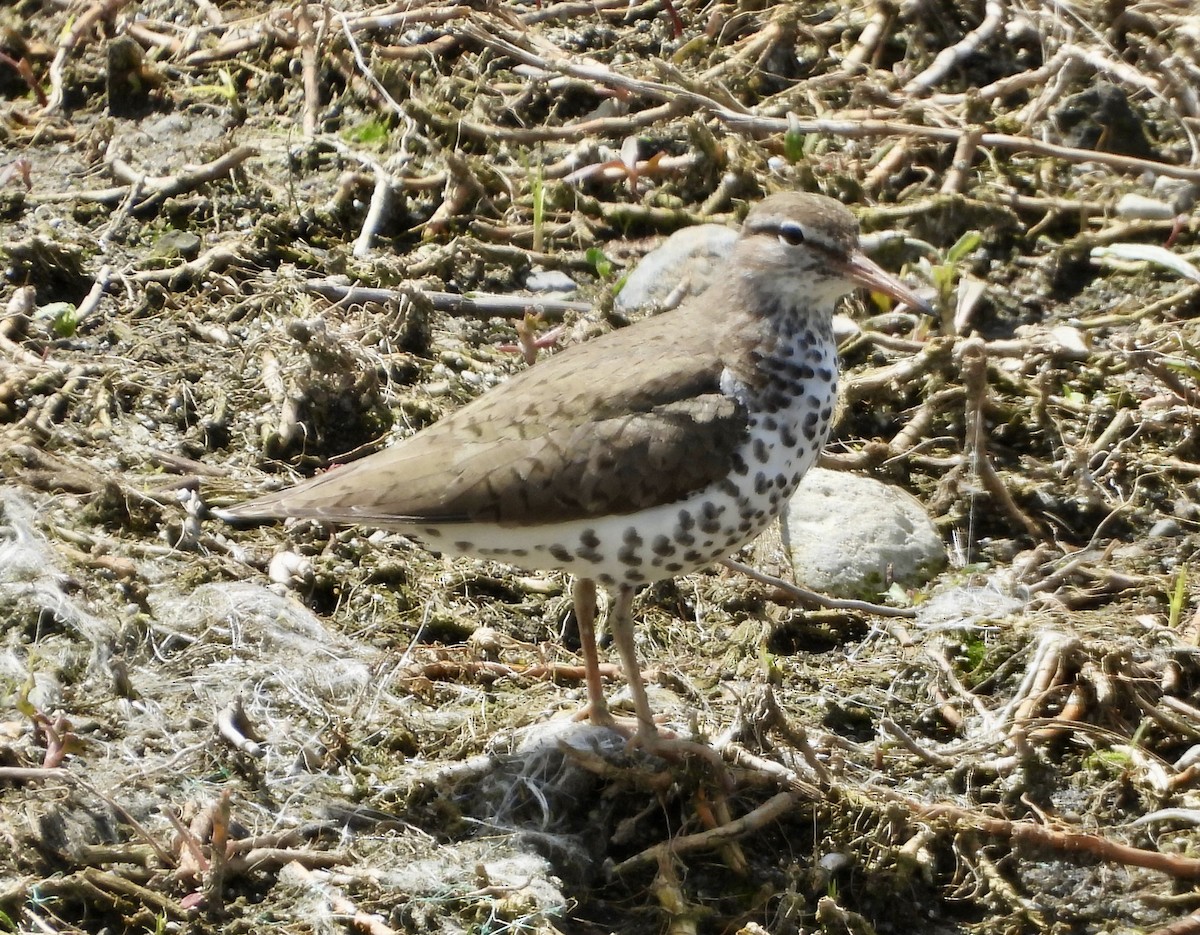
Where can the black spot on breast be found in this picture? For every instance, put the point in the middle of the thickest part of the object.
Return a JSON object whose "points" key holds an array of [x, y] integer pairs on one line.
{"points": [[807, 372], [589, 538], [825, 374], [462, 545], [560, 552], [826, 413], [761, 484], [760, 451], [607, 579], [686, 522], [662, 546], [635, 576], [710, 517], [728, 487], [630, 552], [589, 554], [519, 553], [775, 400], [771, 424], [691, 556], [781, 480], [745, 525], [738, 463], [431, 532], [788, 437]]}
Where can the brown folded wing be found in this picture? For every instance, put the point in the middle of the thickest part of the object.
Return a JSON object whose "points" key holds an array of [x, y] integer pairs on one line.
{"points": [[628, 421]]}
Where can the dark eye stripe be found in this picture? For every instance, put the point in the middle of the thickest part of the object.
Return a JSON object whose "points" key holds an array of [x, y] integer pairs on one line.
{"points": [[793, 233], [788, 231]]}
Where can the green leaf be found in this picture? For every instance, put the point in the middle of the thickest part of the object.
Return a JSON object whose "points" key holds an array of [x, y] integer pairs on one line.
{"points": [[64, 318], [225, 88], [1183, 367], [369, 133], [964, 245], [1073, 396], [537, 188], [1178, 597], [975, 650], [943, 277], [600, 263], [793, 146]]}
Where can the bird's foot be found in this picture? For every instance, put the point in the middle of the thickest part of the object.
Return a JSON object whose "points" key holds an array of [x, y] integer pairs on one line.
{"points": [[659, 742], [673, 748], [598, 713]]}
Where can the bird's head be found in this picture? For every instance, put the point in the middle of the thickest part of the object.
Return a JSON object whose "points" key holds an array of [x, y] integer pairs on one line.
{"points": [[800, 248]]}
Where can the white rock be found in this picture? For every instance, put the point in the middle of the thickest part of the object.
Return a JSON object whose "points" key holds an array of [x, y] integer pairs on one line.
{"points": [[1132, 205], [692, 257], [845, 535]]}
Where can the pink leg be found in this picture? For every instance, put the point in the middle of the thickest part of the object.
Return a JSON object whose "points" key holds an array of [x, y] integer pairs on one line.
{"points": [[647, 736], [621, 624], [583, 591]]}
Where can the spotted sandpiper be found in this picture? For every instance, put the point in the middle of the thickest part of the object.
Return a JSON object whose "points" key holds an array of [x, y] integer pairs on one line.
{"points": [[640, 455]]}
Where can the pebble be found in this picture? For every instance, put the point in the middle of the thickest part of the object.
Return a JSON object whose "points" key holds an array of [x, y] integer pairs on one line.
{"points": [[850, 536], [1165, 529], [550, 281]]}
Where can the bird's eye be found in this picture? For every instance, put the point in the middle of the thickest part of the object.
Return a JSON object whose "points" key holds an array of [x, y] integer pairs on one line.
{"points": [[791, 233]]}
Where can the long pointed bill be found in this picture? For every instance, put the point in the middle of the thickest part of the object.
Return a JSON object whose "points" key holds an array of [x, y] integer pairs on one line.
{"points": [[870, 275]]}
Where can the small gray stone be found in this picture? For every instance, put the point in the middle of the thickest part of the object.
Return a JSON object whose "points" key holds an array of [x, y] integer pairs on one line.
{"points": [[172, 125], [1181, 193], [176, 243], [845, 534], [1135, 206], [550, 280], [1165, 529]]}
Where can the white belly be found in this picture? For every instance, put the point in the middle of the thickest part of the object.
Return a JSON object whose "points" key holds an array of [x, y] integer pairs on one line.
{"points": [[676, 538]]}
